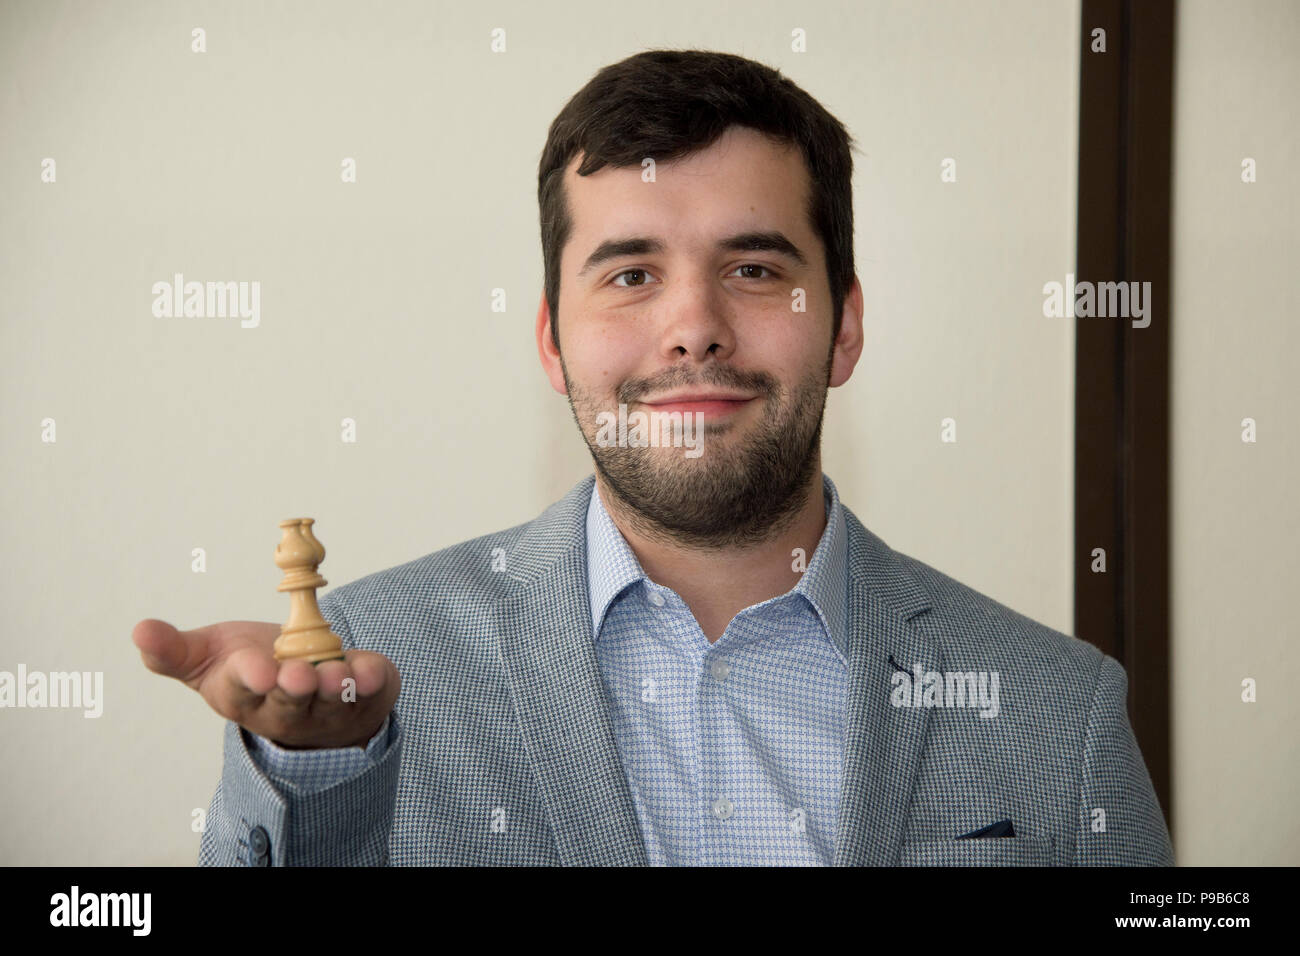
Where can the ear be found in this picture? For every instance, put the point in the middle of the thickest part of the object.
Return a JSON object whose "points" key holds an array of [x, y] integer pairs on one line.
{"points": [[848, 344], [547, 351]]}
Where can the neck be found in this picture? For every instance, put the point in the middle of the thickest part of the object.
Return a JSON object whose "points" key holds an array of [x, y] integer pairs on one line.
{"points": [[718, 584]]}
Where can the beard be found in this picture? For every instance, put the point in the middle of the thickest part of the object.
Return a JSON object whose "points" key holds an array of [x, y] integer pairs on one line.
{"points": [[747, 486]]}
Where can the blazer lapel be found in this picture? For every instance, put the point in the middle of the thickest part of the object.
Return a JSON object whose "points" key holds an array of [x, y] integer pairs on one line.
{"points": [[884, 744], [548, 654]]}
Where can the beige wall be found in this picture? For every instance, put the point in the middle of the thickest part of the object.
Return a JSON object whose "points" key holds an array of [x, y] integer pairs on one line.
{"points": [[1236, 765], [175, 434]]}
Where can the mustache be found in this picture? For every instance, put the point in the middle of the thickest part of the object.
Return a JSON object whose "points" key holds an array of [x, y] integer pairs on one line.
{"points": [[759, 382]]}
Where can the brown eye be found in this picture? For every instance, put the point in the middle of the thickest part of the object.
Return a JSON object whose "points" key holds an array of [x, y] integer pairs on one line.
{"points": [[631, 272], [755, 265]]}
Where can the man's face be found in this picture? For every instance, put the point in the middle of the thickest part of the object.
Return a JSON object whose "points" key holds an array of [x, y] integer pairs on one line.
{"points": [[684, 311]]}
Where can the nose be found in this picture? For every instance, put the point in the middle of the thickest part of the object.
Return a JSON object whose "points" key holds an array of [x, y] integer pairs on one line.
{"points": [[696, 322]]}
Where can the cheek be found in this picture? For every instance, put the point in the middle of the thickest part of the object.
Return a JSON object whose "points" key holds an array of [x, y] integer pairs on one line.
{"points": [[607, 357], [784, 348]]}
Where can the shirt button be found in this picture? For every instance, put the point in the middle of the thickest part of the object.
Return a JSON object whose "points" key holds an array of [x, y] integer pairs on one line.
{"points": [[722, 808], [720, 670], [656, 599]]}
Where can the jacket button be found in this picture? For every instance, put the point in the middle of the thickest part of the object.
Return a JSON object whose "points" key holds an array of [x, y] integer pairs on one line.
{"points": [[259, 842]]}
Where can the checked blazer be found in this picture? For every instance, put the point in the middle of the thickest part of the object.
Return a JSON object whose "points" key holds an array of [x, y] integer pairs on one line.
{"points": [[501, 748]]}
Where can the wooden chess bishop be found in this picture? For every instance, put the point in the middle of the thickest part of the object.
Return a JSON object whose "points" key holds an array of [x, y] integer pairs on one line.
{"points": [[307, 635]]}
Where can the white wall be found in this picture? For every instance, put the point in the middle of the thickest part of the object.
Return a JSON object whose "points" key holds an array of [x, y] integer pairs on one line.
{"points": [[1236, 765]]}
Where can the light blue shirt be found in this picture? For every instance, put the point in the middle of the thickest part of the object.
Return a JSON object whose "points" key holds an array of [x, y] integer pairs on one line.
{"points": [[733, 751]]}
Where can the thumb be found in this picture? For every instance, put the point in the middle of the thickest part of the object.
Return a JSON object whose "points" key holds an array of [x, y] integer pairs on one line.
{"points": [[166, 650]]}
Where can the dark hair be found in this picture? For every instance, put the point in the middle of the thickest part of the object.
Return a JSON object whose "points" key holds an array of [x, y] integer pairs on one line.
{"points": [[671, 103]]}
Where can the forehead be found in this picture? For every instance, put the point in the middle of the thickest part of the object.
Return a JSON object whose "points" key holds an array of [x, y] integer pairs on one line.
{"points": [[742, 180]]}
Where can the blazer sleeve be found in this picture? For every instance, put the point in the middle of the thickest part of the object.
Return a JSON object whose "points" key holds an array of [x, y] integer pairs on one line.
{"points": [[1120, 821], [255, 821], [315, 769]]}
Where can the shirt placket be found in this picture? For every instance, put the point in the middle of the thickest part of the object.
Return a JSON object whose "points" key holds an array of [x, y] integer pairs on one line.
{"points": [[720, 799]]}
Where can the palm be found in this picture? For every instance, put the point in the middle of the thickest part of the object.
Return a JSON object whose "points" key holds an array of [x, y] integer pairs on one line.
{"points": [[232, 666]]}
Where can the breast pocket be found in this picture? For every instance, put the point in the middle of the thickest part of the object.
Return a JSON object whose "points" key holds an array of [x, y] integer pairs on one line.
{"points": [[992, 851]]}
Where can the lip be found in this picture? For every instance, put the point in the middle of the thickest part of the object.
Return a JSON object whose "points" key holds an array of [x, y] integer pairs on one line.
{"points": [[711, 405], [675, 398]]}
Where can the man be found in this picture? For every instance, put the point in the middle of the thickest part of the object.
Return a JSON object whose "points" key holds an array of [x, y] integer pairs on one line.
{"points": [[698, 655]]}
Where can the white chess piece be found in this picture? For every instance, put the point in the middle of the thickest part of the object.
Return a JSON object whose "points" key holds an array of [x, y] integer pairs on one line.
{"points": [[306, 636]]}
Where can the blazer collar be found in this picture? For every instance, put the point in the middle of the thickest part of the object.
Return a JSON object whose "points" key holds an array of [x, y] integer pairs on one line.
{"points": [[548, 655]]}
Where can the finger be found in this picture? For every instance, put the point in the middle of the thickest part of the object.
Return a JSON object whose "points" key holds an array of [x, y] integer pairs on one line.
{"points": [[253, 671], [330, 677], [372, 671], [240, 686], [294, 690], [167, 651]]}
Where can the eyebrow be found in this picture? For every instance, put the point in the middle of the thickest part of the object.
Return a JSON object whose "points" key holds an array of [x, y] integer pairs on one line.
{"points": [[776, 242]]}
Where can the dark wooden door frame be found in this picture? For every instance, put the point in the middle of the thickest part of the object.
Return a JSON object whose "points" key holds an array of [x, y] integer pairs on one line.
{"points": [[1121, 467]]}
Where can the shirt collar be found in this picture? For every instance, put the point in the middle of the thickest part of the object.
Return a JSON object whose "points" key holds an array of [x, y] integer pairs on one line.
{"points": [[612, 567]]}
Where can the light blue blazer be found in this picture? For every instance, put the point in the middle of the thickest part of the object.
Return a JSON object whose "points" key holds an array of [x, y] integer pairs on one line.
{"points": [[503, 753]]}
